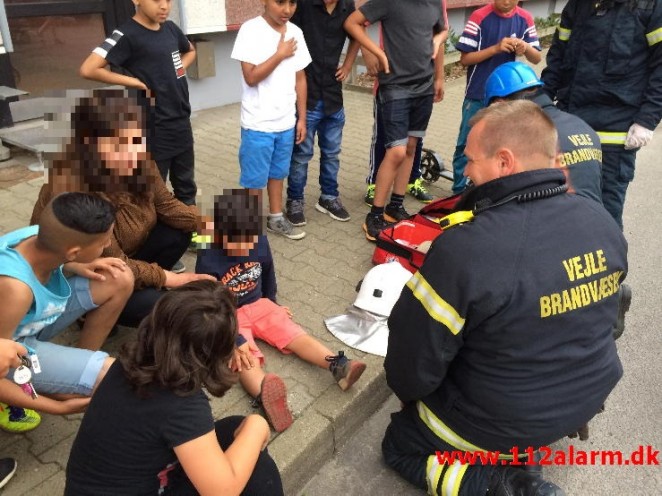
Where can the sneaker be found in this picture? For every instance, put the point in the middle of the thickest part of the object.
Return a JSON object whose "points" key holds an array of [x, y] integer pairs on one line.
{"points": [[512, 481], [393, 213], [273, 399], [294, 212], [373, 225], [624, 301], [7, 470], [418, 191], [334, 208], [179, 267], [369, 197], [284, 227], [345, 371], [18, 420], [199, 241]]}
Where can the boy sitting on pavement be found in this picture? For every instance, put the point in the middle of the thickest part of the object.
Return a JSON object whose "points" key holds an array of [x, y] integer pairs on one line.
{"points": [[50, 275], [273, 55], [241, 259]]}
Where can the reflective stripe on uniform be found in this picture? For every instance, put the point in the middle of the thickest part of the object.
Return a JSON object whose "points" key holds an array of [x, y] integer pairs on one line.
{"points": [[433, 471], [654, 37], [612, 138], [564, 34], [435, 305], [446, 434], [452, 477]]}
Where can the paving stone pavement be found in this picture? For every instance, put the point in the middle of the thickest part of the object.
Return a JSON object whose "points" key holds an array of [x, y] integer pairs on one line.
{"points": [[316, 279]]}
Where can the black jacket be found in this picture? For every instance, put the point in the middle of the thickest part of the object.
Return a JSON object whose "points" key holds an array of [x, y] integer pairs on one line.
{"points": [[505, 332], [605, 65]]}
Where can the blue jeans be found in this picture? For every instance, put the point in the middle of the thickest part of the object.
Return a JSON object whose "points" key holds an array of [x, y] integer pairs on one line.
{"points": [[329, 137], [469, 109]]}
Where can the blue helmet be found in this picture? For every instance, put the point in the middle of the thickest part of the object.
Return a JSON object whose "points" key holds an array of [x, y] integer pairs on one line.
{"points": [[510, 78]]}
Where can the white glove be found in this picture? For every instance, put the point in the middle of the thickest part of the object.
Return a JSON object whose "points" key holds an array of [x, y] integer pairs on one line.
{"points": [[637, 137]]}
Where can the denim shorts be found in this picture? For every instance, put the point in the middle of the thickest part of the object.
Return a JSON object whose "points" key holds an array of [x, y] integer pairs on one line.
{"points": [[405, 117], [264, 156], [65, 369]]}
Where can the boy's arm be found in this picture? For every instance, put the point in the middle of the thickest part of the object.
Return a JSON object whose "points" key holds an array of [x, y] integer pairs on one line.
{"points": [[95, 68], [439, 73], [346, 67], [254, 74], [17, 299], [12, 394], [189, 57], [301, 88], [532, 54], [355, 27]]}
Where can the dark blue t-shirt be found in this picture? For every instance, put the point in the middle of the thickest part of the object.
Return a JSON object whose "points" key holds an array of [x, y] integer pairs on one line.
{"points": [[249, 278]]}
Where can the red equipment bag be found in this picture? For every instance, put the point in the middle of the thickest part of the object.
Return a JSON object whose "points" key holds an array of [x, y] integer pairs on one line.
{"points": [[409, 240]]}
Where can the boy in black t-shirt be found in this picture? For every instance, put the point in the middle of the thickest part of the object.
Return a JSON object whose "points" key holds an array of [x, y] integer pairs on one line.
{"points": [[155, 54]]}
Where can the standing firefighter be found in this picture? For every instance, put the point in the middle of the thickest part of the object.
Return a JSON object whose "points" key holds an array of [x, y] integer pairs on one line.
{"points": [[605, 65]]}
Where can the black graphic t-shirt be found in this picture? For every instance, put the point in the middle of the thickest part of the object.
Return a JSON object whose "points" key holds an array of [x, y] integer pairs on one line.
{"points": [[249, 278], [154, 57]]}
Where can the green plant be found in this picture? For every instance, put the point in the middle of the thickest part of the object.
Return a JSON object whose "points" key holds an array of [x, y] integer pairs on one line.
{"points": [[453, 38], [548, 22]]}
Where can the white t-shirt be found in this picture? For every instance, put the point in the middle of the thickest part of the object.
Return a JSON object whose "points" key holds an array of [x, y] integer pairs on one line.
{"points": [[270, 106]]}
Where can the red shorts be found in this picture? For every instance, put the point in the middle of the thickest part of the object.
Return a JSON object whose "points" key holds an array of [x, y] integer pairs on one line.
{"points": [[269, 322]]}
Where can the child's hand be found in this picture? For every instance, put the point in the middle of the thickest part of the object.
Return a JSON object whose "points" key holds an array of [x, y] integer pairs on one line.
{"points": [[10, 351], [342, 73], [383, 62], [300, 132], [289, 312], [65, 407], [438, 89], [93, 269], [242, 358], [520, 47], [371, 62], [507, 45], [286, 49]]}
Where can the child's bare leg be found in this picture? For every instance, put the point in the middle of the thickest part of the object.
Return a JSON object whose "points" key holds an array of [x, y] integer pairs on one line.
{"points": [[404, 171], [111, 295], [251, 380], [386, 175], [311, 350], [275, 194]]}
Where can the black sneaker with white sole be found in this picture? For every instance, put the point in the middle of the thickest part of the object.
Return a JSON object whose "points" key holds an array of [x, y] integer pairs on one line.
{"points": [[334, 208], [294, 212], [7, 470], [373, 225]]}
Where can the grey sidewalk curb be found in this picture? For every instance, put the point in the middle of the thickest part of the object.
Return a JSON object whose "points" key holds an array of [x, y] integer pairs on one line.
{"points": [[328, 423]]}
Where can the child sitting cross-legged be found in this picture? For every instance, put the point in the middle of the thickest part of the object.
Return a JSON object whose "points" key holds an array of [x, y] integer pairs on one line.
{"points": [[241, 259]]}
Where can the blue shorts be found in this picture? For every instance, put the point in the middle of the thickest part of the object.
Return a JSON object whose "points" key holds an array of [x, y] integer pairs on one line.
{"points": [[264, 156], [65, 369], [405, 117]]}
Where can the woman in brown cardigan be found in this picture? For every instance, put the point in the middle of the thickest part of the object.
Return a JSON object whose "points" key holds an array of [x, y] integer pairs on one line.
{"points": [[107, 155]]}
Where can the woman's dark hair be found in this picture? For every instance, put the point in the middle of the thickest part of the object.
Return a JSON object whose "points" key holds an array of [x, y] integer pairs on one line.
{"points": [[237, 214], [102, 114], [88, 214], [186, 342]]}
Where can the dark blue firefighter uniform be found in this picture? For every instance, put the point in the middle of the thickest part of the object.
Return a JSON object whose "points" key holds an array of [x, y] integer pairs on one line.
{"points": [[504, 336], [605, 66]]}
